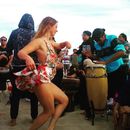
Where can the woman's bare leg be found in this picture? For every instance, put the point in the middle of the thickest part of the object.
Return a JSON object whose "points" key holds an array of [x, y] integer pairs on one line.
{"points": [[46, 100], [60, 96]]}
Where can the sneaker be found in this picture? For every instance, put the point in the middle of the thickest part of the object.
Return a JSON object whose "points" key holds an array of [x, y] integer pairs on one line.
{"points": [[27, 99], [109, 112], [110, 101]]}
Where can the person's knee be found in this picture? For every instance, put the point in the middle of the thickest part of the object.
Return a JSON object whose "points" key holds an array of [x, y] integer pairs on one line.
{"points": [[66, 100]]}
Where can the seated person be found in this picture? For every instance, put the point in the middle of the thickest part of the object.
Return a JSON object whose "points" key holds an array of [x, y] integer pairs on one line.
{"points": [[122, 107]]}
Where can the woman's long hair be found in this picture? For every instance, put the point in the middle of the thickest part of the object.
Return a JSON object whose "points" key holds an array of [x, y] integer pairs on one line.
{"points": [[44, 26]]}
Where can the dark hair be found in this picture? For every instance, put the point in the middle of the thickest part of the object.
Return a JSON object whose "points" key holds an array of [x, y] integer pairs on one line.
{"points": [[124, 36], [3, 37], [98, 33], [87, 33]]}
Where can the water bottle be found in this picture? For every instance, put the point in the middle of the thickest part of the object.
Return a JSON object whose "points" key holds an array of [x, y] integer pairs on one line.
{"points": [[66, 63], [9, 85]]}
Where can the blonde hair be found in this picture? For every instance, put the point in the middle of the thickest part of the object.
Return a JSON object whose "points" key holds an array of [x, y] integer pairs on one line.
{"points": [[44, 26]]}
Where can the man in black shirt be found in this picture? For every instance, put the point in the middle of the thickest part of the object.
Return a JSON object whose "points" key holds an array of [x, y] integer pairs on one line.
{"points": [[5, 62]]}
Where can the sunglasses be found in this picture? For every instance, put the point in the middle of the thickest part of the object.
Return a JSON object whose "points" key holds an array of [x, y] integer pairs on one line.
{"points": [[3, 40]]}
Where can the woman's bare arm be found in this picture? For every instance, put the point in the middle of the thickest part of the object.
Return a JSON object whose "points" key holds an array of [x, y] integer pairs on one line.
{"points": [[29, 48], [62, 45]]}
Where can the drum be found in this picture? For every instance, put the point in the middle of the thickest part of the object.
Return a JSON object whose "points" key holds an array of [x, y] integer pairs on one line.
{"points": [[122, 122], [4, 70], [97, 86], [70, 87]]}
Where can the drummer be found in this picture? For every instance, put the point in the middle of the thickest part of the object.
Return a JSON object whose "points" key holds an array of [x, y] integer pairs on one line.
{"points": [[5, 63], [110, 53]]}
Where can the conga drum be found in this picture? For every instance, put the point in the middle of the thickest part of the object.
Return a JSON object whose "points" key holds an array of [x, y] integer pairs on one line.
{"points": [[4, 70], [97, 86], [122, 122]]}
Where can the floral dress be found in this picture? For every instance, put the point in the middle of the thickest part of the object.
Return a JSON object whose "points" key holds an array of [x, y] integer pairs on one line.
{"points": [[27, 80]]}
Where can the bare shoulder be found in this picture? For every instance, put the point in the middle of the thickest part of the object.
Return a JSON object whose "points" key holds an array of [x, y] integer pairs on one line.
{"points": [[39, 42]]}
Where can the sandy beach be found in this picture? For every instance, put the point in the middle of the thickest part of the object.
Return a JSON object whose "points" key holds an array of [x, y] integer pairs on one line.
{"points": [[70, 121]]}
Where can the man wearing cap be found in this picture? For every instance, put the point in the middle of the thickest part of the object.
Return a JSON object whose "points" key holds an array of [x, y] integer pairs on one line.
{"points": [[110, 52]]}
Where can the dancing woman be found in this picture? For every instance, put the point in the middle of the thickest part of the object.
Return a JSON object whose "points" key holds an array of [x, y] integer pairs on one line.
{"points": [[44, 46]]}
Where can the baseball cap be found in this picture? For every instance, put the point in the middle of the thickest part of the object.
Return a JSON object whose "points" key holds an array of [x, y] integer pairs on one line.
{"points": [[98, 33]]}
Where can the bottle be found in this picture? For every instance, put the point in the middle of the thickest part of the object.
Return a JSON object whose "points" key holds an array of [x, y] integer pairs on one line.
{"points": [[66, 63], [9, 85]]}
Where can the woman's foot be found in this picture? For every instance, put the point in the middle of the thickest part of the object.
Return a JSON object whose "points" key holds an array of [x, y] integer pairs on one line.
{"points": [[12, 122]]}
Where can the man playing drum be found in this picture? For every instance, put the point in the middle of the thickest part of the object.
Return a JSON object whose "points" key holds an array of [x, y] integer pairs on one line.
{"points": [[110, 53]]}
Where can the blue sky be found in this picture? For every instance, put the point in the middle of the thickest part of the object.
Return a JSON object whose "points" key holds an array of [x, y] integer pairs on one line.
{"points": [[74, 16]]}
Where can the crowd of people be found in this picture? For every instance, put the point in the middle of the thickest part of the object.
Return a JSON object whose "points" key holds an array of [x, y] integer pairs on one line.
{"points": [[34, 61], [113, 52]]}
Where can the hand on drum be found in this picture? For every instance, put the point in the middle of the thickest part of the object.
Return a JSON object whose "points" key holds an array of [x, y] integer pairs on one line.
{"points": [[99, 62], [87, 53]]}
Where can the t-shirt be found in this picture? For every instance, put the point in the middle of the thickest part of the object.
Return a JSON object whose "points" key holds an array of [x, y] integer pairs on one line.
{"points": [[3, 61], [109, 52]]}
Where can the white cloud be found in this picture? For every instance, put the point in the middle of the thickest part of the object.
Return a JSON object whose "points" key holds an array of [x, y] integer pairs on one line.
{"points": [[74, 16]]}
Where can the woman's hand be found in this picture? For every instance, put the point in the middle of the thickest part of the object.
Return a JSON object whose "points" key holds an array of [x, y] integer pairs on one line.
{"points": [[30, 63], [63, 44], [68, 45]]}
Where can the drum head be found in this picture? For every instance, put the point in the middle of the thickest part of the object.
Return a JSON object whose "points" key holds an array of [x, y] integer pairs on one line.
{"points": [[4, 70], [96, 65], [96, 71]]}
